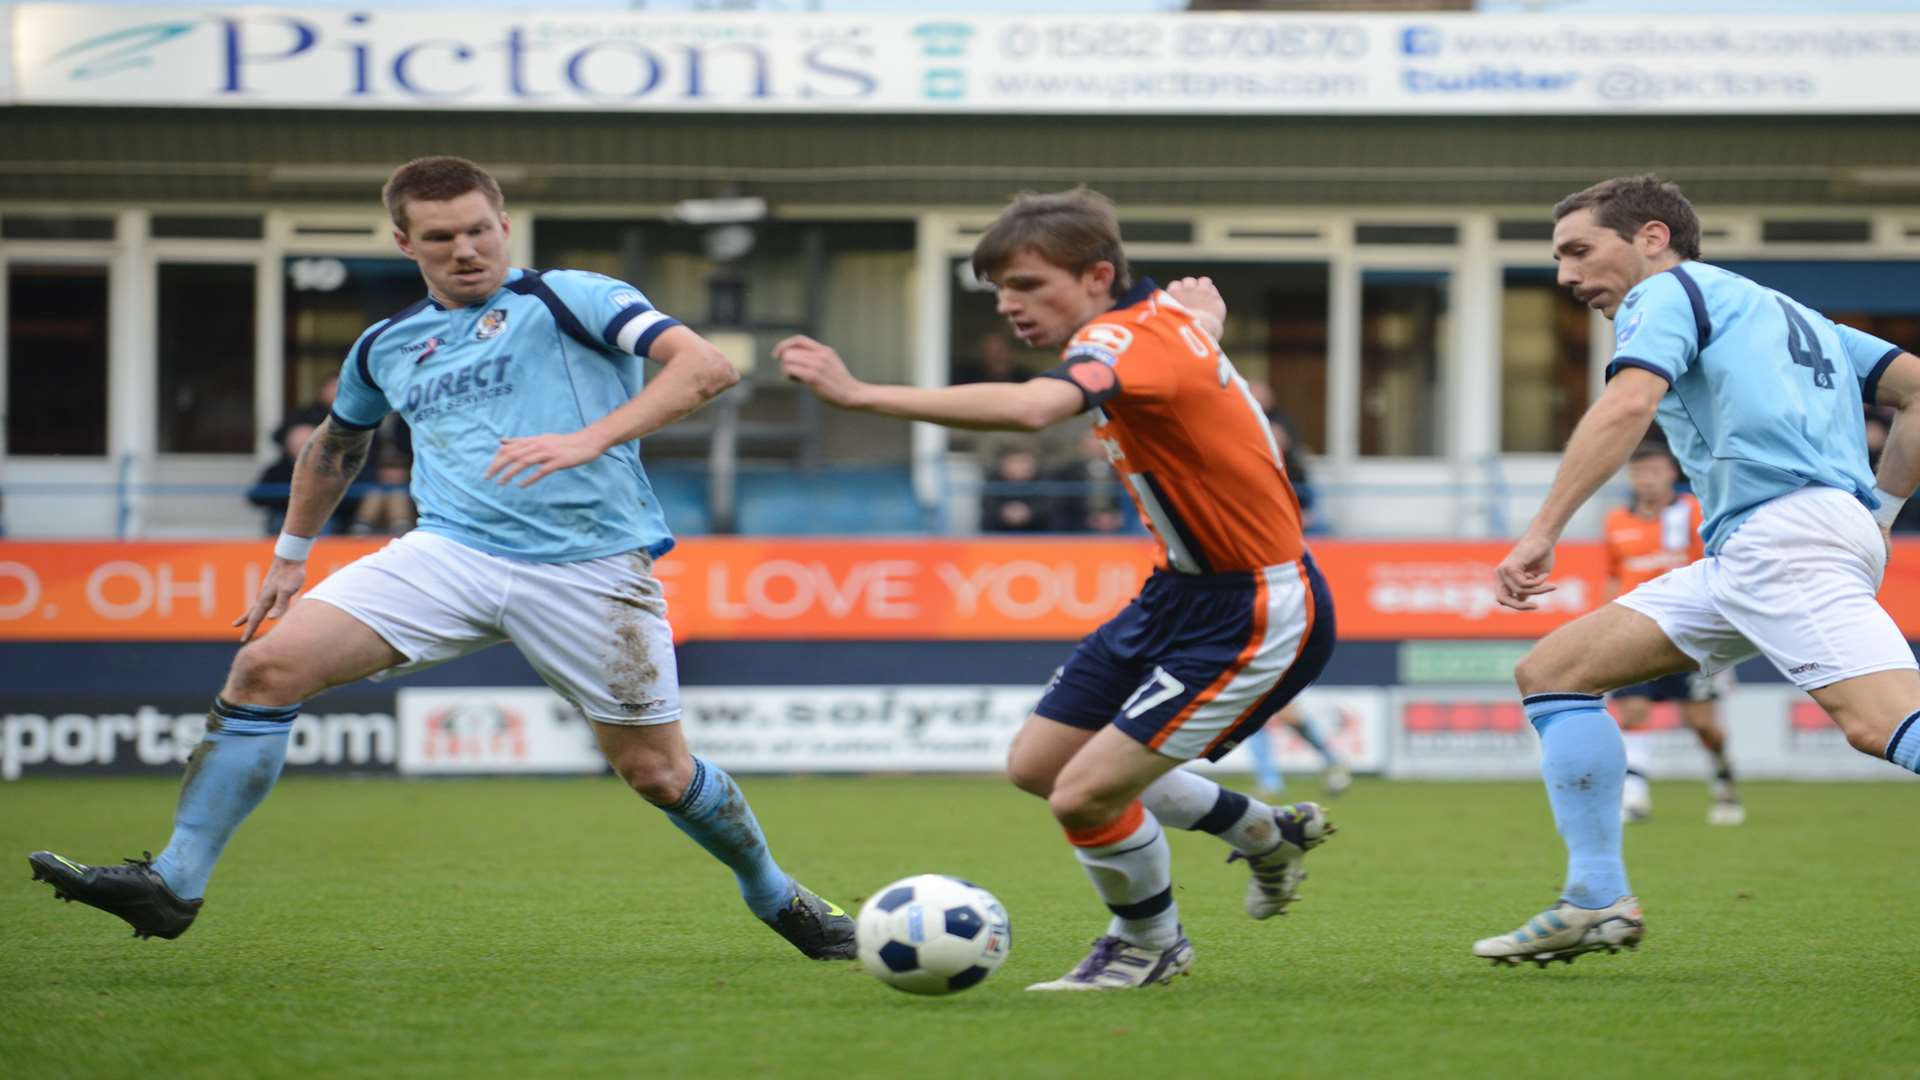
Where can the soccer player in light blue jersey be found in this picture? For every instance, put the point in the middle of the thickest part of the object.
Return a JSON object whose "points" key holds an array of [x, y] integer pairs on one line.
{"points": [[1760, 398], [525, 393]]}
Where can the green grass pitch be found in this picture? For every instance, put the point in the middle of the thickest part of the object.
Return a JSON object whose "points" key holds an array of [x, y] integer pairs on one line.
{"points": [[563, 928]]}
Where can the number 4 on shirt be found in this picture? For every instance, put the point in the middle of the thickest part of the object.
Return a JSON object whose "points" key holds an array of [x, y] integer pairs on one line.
{"points": [[1805, 348]]}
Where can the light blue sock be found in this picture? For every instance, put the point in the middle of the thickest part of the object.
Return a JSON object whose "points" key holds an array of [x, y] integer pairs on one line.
{"points": [[1904, 748], [1584, 763], [1310, 731], [716, 815], [231, 770], [1266, 775]]}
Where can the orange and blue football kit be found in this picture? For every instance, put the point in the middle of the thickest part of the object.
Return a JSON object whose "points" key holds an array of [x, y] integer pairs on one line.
{"points": [[1641, 548], [1236, 620]]}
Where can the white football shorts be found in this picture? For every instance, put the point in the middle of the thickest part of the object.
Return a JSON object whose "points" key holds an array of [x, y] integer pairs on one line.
{"points": [[1794, 583], [595, 630]]}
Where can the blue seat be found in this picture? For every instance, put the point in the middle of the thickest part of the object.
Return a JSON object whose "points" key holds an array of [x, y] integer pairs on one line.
{"points": [[683, 498], [828, 502]]}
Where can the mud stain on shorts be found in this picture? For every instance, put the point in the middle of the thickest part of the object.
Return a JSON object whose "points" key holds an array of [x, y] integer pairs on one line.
{"points": [[632, 610]]}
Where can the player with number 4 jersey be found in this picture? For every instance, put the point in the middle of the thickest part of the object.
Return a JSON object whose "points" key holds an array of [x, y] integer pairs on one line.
{"points": [[1760, 398], [1232, 625]]}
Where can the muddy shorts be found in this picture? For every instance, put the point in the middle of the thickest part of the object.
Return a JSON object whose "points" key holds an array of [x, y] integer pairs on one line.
{"points": [[595, 630]]}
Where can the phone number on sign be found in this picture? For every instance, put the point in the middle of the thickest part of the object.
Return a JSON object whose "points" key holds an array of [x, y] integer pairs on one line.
{"points": [[1207, 40]]}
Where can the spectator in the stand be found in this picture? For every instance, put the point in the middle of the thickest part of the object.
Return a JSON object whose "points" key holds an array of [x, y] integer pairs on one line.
{"points": [[310, 416], [1012, 502], [316, 410], [993, 360], [271, 488], [1095, 502], [1311, 523], [387, 510]]}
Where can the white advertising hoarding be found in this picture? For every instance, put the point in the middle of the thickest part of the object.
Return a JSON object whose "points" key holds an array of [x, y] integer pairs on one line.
{"points": [[806, 729], [1136, 64], [1405, 732], [1774, 732], [496, 729]]}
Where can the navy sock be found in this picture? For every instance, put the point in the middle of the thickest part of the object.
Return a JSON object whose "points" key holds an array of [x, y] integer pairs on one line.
{"points": [[1584, 763], [1904, 748], [231, 770], [716, 815]]}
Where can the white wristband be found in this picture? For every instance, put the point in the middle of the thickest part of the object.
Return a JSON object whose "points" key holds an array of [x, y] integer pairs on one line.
{"points": [[1889, 508], [292, 548]]}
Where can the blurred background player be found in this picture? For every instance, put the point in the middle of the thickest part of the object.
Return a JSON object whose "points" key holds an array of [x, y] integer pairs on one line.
{"points": [[1233, 623], [1660, 531], [1335, 777], [504, 375], [1760, 398]]}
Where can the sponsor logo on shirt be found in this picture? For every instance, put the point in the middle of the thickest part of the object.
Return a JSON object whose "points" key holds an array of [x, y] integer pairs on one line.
{"points": [[420, 350], [491, 324], [458, 388], [623, 299], [1114, 339]]}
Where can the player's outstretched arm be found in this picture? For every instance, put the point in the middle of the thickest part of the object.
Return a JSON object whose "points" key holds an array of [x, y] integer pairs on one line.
{"points": [[693, 373], [1027, 406], [325, 469], [1600, 445], [1202, 298]]}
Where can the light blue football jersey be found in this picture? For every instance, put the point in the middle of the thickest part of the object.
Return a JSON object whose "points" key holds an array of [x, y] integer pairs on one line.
{"points": [[550, 353], [1764, 392]]}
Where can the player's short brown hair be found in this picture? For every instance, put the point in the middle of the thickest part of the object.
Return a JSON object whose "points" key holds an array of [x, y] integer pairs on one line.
{"points": [[1625, 203], [1653, 448], [1073, 230], [436, 179]]}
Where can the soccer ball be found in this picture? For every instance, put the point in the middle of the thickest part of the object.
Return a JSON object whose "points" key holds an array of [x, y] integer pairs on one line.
{"points": [[933, 934]]}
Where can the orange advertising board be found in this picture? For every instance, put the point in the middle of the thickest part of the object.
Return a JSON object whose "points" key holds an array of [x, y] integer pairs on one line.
{"points": [[1054, 588]]}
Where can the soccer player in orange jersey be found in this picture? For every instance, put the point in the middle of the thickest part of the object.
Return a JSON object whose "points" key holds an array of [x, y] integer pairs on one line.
{"points": [[1658, 532], [1233, 623]]}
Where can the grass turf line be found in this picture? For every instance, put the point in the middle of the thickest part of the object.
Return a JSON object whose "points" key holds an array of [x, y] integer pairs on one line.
{"points": [[561, 927]]}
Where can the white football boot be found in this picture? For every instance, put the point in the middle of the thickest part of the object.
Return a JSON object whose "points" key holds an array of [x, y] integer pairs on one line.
{"points": [[1563, 932], [1116, 965], [1277, 874]]}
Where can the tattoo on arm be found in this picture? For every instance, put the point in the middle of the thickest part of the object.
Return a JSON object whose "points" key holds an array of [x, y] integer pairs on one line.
{"points": [[335, 453]]}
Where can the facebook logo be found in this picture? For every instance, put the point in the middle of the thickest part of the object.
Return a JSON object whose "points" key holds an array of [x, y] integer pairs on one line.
{"points": [[1420, 41]]}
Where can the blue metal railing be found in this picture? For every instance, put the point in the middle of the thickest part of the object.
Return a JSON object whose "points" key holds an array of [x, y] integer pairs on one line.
{"points": [[847, 489]]}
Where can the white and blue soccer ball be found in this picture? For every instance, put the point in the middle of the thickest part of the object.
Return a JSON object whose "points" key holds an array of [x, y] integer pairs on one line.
{"points": [[932, 934]]}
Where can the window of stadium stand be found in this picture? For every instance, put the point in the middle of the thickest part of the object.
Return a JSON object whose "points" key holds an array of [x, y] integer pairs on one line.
{"points": [[57, 334], [1405, 328], [205, 351], [1544, 362], [329, 301], [847, 283]]}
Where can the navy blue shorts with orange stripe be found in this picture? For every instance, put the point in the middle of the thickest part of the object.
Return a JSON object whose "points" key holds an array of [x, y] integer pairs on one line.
{"points": [[1197, 663]]}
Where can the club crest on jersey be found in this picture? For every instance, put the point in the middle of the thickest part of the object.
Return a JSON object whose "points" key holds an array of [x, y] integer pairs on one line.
{"points": [[420, 350], [491, 324], [1630, 328], [1114, 339]]}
